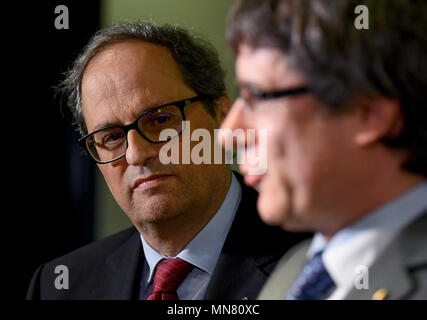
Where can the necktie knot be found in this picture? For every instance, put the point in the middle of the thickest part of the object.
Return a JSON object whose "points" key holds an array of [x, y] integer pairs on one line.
{"points": [[314, 281], [167, 278]]}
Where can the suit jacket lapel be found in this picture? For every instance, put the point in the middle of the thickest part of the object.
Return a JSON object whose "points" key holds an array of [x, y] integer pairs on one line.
{"points": [[391, 271], [122, 272], [289, 267], [235, 277]]}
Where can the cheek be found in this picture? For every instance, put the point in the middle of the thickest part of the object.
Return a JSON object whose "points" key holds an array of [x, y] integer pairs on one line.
{"points": [[276, 143], [274, 198], [292, 151], [289, 171], [115, 180]]}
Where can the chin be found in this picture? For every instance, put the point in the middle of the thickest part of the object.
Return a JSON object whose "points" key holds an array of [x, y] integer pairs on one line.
{"points": [[156, 209], [270, 212], [154, 217]]}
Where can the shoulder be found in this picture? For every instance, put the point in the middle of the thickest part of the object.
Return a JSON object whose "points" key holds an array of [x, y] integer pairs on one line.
{"points": [[85, 266], [98, 250], [411, 243]]}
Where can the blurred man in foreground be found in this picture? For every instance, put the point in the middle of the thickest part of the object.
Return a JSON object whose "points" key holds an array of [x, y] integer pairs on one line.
{"points": [[346, 112]]}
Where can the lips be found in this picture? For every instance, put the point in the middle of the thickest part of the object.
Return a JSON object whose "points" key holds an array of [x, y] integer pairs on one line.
{"points": [[150, 179], [250, 180]]}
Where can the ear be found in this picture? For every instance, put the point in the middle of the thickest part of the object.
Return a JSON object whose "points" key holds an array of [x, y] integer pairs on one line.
{"points": [[224, 104], [379, 117]]}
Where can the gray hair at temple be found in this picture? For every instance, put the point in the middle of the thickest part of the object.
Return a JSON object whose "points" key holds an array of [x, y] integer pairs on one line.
{"points": [[341, 63], [197, 60]]}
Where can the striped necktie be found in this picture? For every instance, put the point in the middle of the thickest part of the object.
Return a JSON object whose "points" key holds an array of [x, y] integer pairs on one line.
{"points": [[169, 275], [314, 281]]}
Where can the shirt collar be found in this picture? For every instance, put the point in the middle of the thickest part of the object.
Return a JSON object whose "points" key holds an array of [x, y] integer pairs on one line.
{"points": [[361, 242], [204, 249]]}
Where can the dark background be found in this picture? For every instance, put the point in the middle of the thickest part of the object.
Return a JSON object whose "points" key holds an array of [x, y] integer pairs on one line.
{"points": [[48, 185]]}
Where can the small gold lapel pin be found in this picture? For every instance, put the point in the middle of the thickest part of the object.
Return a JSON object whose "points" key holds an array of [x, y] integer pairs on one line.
{"points": [[380, 294]]}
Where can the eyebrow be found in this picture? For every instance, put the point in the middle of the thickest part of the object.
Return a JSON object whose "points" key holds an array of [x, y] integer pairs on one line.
{"points": [[105, 125], [248, 85]]}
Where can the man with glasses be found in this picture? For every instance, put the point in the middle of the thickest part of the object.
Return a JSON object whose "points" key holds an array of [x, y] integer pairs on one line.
{"points": [[346, 115], [196, 233]]}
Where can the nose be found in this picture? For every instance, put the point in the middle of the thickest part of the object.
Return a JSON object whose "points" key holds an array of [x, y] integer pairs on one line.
{"points": [[235, 119], [139, 150]]}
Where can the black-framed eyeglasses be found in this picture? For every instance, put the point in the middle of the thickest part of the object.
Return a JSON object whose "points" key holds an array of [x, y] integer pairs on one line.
{"points": [[266, 95], [252, 94], [156, 125]]}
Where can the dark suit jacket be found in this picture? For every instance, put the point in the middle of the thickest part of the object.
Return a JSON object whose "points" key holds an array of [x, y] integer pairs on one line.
{"points": [[110, 268]]}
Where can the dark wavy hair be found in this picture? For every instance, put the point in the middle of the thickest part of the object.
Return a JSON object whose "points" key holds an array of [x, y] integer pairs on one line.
{"points": [[342, 63], [197, 60]]}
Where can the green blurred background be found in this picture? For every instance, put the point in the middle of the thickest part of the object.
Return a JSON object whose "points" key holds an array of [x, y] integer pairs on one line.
{"points": [[205, 18]]}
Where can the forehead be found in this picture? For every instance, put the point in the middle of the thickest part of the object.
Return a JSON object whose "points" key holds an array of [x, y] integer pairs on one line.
{"points": [[123, 66], [127, 77], [265, 67]]}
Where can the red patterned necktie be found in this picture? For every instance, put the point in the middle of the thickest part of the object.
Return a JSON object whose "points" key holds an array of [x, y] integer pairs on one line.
{"points": [[169, 275]]}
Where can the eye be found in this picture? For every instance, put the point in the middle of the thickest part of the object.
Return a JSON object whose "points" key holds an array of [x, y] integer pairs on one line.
{"points": [[255, 92], [110, 138], [161, 118], [113, 138], [248, 99], [164, 118]]}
